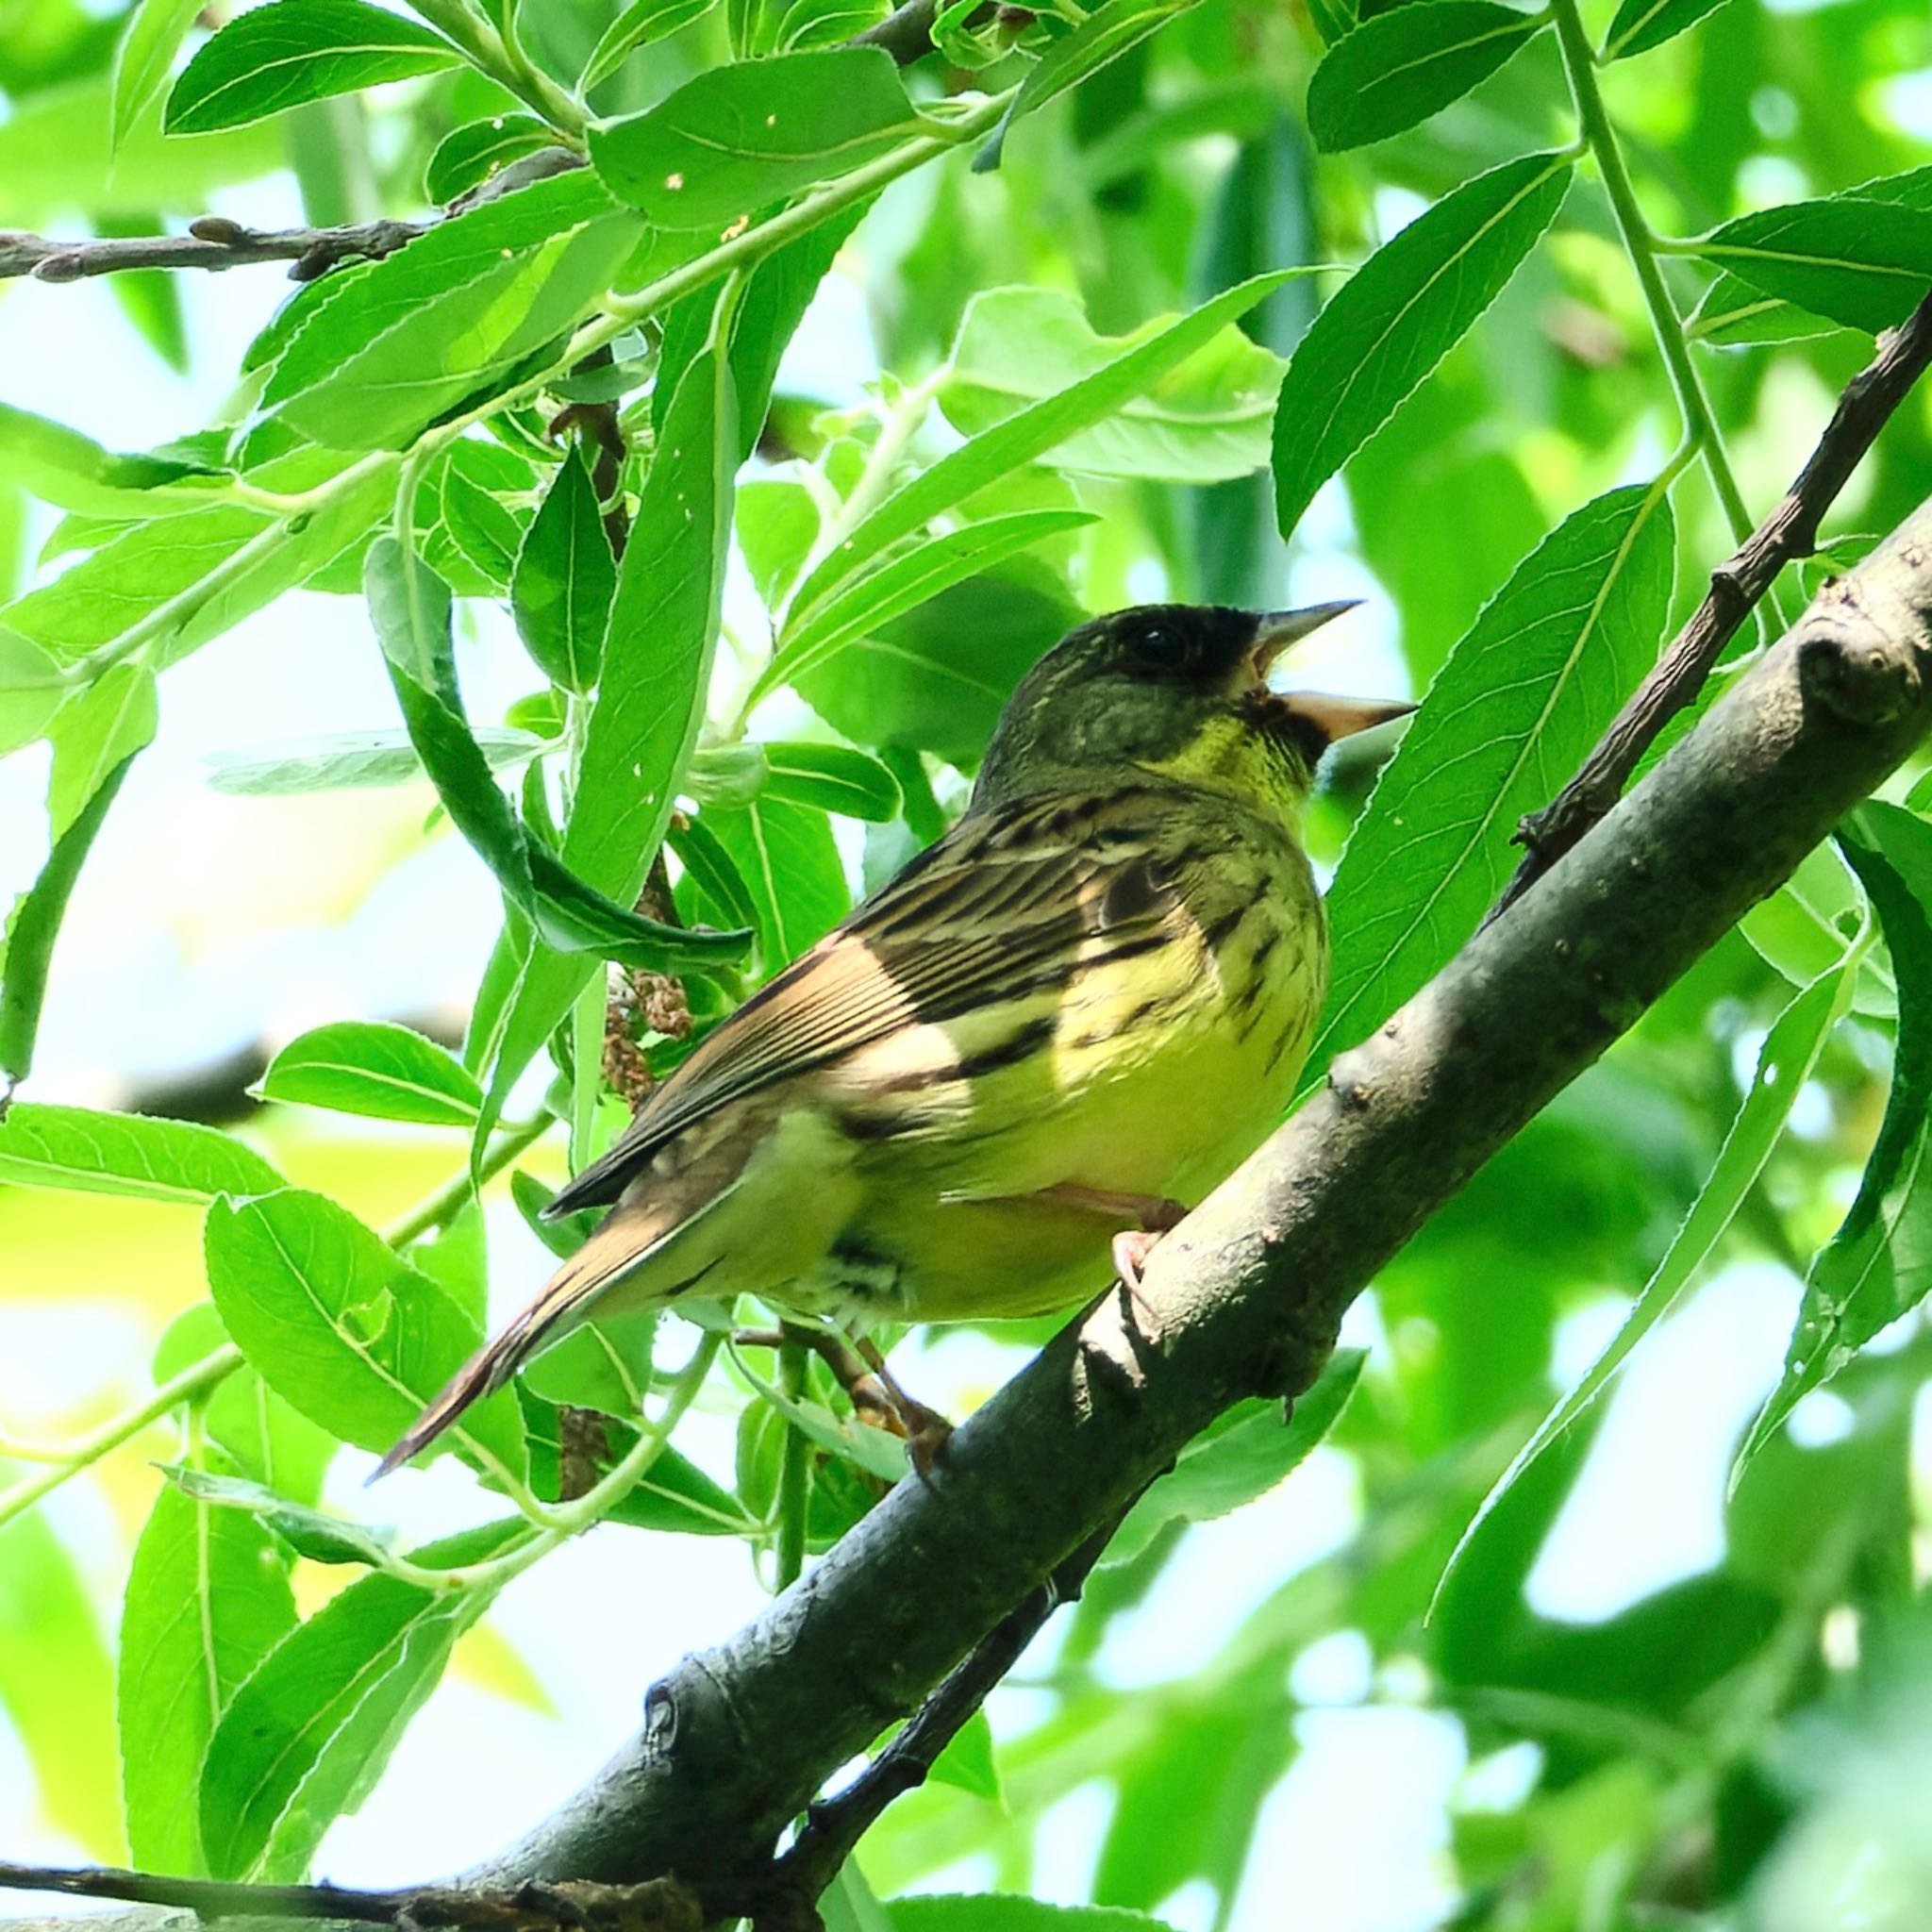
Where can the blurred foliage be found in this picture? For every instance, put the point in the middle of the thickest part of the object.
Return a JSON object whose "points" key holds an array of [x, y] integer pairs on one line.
{"points": [[1127, 323]]}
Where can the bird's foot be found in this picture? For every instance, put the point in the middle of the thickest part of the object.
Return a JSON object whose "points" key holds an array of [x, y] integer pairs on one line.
{"points": [[925, 1430]]}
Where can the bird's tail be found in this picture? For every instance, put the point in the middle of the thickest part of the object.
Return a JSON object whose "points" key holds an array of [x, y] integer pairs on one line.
{"points": [[612, 1250]]}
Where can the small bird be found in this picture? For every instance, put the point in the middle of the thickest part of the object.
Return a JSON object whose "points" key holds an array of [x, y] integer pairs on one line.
{"points": [[1069, 1017]]}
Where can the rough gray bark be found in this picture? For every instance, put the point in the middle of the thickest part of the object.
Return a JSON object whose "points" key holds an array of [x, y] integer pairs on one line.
{"points": [[1246, 1296]]}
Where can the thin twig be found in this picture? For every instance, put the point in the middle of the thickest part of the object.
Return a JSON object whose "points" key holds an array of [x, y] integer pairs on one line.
{"points": [[213, 242], [782, 1897], [659, 1905], [834, 1826], [1790, 531]]}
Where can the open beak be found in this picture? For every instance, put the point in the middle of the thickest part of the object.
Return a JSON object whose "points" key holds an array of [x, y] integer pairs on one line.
{"points": [[1275, 630], [1319, 719], [1326, 719]]}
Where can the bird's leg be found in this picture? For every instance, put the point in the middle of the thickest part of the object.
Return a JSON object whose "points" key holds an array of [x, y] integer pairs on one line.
{"points": [[925, 1429], [869, 1402], [1156, 1213]]}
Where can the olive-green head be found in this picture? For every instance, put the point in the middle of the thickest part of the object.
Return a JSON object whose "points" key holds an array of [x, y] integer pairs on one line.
{"points": [[1174, 691]]}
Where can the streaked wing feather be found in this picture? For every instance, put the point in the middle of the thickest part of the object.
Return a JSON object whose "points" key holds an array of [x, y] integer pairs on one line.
{"points": [[1000, 901]]}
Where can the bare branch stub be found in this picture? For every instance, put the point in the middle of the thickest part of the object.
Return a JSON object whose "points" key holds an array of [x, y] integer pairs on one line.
{"points": [[1737, 585], [213, 242]]}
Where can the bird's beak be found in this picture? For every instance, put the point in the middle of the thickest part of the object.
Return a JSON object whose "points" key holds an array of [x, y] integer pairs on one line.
{"points": [[1329, 718], [1274, 630]]}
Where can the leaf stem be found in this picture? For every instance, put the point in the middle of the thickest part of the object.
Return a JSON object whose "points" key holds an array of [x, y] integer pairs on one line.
{"points": [[436, 1209], [185, 604], [506, 62], [86, 1450], [1641, 246]]}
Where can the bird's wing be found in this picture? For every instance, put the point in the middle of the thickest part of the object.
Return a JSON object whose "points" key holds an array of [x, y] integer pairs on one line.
{"points": [[996, 910]]}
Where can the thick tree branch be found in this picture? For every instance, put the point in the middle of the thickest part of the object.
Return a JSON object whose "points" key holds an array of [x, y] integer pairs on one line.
{"points": [[1249, 1292], [1246, 1296], [1737, 585]]}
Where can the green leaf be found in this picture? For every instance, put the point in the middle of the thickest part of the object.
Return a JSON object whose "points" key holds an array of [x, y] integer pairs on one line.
{"points": [[712, 869], [968, 1763], [1802, 929], [565, 579], [997, 1911], [637, 25], [468, 155], [483, 527], [656, 675], [735, 139], [128, 1154], [32, 688], [318, 1535], [261, 1434], [62, 466], [388, 1073], [310, 1733], [1862, 262], [142, 59], [1203, 421], [1734, 311], [457, 312], [32, 929], [57, 1684], [351, 759], [96, 733], [772, 303], [832, 778], [1333, 18], [777, 522], [208, 1598], [1025, 436], [1641, 25], [863, 608], [1399, 68], [1103, 35], [345, 1329], [1878, 1265], [289, 51], [1784, 1062], [1511, 714], [787, 857], [1399, 315], [409, 606], [1241, 1455], [935, 680]]}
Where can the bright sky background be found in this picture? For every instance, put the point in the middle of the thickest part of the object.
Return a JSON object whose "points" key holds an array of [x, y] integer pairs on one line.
{"points": [[205, 924]]}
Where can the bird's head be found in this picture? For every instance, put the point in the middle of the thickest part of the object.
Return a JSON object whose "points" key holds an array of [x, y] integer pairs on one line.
{"points": [[1178, 692]]}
